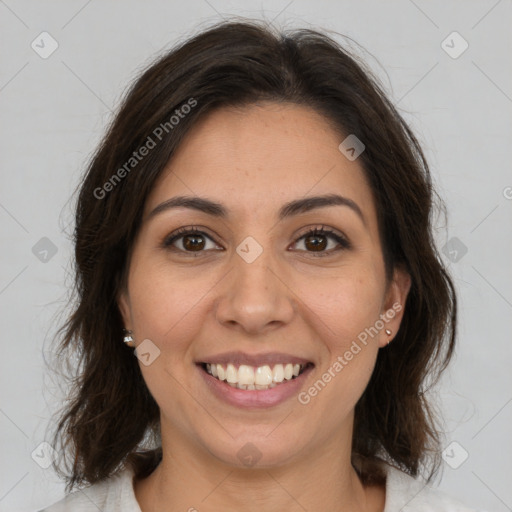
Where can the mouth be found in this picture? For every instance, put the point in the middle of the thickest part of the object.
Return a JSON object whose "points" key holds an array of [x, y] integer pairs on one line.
{"points": [[255, 378], [254, 381]]}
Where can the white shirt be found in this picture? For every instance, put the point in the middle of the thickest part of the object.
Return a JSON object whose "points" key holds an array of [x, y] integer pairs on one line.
{"points": [[403, 494]]}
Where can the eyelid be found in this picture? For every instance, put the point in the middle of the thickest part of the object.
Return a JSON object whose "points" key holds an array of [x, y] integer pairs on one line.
{"points": [[322, 230], [186, 230], [328, 232]]}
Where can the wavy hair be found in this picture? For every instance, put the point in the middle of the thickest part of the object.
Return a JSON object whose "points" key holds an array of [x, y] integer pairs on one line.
{"points": [[110, 419]]}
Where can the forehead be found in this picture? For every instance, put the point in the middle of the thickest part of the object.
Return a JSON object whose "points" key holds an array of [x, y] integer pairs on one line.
{"points": [[254, 159]]}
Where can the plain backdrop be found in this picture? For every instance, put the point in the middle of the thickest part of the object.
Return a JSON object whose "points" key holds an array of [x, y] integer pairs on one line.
{"points": [[458, 100]]}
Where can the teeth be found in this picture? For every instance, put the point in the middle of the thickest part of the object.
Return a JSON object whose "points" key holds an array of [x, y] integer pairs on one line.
{"points": [[263, 376], [245, 374], [231, 374], [249, 378], [278, 373]]}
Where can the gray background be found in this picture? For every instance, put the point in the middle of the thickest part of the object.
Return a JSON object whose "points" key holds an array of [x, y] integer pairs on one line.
{"points": [[54, 111]]}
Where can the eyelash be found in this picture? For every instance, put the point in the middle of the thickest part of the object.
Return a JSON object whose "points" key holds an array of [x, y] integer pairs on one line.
{"points": [[321, 230]]}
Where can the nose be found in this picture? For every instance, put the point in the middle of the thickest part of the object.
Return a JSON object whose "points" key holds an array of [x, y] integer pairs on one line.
{"points": [[254, 297]]}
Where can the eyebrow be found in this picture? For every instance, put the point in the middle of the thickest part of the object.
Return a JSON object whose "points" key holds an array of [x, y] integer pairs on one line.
{"points": [[290, 209]]}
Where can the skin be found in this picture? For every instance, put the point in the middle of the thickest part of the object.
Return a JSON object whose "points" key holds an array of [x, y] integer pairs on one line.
{"points": [[191, 305]]}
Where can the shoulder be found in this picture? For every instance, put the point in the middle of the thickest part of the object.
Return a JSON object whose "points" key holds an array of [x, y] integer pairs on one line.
{"points": [[408, 494], [115, 494]]}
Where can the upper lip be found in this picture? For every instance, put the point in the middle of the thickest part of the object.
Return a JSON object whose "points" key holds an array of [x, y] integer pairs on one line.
{"points": [[238, 358]]}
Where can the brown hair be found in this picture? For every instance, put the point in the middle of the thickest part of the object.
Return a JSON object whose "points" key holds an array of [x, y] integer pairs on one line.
{"points": [[111, 419]]}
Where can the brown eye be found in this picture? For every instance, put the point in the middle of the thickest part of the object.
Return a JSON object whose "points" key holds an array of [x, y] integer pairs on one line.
{"points": [[317, 241], [193, 242], [188, 240]]}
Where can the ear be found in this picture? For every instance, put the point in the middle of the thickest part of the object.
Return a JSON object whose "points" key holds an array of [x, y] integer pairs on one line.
{"points": [[123, 303], [394, 305]]}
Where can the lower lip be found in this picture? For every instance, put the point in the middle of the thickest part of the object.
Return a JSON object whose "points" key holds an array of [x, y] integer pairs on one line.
{"points": [[257, 398]]}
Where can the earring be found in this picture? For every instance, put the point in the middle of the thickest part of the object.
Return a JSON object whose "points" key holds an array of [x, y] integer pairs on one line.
{"points": [[128, 339], [389, 333]]}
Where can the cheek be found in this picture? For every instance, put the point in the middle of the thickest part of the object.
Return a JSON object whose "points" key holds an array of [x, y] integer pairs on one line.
{"points": [[168, 308], [167, 302], [346, 305], [345, 309]]}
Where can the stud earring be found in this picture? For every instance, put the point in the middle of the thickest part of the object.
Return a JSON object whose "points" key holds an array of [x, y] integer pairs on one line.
{"points": [[128, 339], [389, 333]]}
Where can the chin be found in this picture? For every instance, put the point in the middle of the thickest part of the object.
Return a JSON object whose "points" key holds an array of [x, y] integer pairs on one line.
{"points": [[254, 451]]}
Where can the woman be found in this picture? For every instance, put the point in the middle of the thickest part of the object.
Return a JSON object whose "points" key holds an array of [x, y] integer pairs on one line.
{"points": [[256, 229]]}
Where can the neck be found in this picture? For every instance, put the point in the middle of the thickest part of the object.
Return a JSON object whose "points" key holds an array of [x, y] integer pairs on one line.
{"points": [[193, 480]]}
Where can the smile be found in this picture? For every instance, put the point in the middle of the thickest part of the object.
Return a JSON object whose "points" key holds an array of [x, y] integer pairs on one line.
{"points": [[254, 378]]}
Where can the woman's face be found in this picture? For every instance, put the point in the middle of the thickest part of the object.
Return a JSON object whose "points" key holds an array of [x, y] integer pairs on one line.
{"points": [[251, 292]]}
